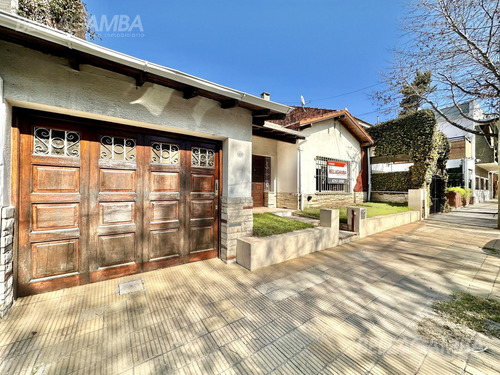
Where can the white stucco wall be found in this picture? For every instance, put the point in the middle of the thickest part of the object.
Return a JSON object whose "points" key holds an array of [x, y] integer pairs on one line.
{"points": [[287, 169], [267, 147], [5, 147], [332, 140], [391, 167], [39, 81], [9, 5]]}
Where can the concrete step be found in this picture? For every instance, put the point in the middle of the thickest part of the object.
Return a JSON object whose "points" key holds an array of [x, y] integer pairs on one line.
{"points": [[346, 237]]}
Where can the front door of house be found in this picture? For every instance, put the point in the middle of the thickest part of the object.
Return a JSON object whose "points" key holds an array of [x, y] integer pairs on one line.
{"points": [[258, 180]]}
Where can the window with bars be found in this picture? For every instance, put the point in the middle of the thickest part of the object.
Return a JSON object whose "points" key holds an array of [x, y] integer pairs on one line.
{"points": [[321, 176]]}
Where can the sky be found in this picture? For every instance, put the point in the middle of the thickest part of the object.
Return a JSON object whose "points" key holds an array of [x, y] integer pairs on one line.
{"points": [[329, 51]]}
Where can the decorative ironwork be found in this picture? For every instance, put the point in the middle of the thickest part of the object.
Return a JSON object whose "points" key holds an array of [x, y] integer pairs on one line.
{"points": [[117, 148], [52, 142], [165, 153], [267, 174], [202, 157], [321, 177]]}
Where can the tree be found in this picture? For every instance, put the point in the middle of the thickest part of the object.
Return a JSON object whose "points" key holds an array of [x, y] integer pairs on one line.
{"points": [[66, 15], [459, 42], [412, 94]]}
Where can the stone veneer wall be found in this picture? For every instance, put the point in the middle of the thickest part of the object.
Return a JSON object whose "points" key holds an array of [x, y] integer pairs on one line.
{"points": [[269, 199], [6, 245], [334, 200], [287, 200], [292, 201], [236, 222], [389, 197]]}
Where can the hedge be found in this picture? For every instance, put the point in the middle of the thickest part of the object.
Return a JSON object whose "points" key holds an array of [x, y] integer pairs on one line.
{"points": [[415, 135], [392, 181]]}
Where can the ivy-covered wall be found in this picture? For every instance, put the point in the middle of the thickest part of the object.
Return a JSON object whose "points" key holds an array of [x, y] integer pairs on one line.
{"points": [[415, 135], [392, 181]]}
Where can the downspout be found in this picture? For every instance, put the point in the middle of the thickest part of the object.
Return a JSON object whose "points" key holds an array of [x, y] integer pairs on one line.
{"points": [[368, 155], [299, 176]]}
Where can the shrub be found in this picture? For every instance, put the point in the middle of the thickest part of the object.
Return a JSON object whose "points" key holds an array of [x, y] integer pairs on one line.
{"points": [[456, 190]]}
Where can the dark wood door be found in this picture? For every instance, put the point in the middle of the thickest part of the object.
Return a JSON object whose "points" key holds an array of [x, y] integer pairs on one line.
{"points": [[258, 180], [53, 212], [97, 203]]}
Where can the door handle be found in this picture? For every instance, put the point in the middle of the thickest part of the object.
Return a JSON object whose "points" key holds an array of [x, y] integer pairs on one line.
{"points": [[216, 187]]}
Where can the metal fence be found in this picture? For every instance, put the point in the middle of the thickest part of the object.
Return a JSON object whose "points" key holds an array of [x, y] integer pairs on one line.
{"points": [[321, 176]]}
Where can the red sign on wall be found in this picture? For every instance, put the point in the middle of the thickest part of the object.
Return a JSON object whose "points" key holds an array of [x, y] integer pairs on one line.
{"points": [[337, 172]]}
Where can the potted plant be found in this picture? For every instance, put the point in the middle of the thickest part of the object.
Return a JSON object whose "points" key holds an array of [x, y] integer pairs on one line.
{"points": [[454, 196], [466, 198]]}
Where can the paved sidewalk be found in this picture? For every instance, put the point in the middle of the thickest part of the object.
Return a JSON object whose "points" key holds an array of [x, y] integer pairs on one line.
{"points": [[351, 309]]}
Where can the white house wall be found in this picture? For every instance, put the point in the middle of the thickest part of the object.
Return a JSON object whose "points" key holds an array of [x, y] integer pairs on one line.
{"points": [[267, 147], [391, 167], [332, 140]]}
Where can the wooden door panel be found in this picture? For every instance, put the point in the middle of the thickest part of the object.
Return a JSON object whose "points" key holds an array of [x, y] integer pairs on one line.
{"points": [[53, 184], [55, 216], [202, 200], [202, 183], [164, 197], [113, 180], [47, 179], [164, 244], [112, 213], [54, 258], [201, 239], [258, 194], [165, 182], [116, 203], [116, 249]]}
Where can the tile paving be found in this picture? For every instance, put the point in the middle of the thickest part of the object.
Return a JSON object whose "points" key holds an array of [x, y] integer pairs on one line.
{"points": [[352, 309]]}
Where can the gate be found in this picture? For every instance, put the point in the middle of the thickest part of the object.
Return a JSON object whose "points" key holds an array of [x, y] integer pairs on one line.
{"points": [[436, 191]]}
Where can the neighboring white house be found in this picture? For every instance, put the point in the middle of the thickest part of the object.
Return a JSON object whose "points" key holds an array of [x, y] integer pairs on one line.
{"points": [[328, 166], [473, 159]]}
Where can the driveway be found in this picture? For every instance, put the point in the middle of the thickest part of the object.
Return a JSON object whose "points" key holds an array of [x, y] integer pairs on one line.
{"points": [[350, 309]]}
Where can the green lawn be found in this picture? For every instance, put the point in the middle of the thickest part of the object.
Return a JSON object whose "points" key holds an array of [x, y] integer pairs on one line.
{"points": [[478, 313], [268, 224], [372, 209]]}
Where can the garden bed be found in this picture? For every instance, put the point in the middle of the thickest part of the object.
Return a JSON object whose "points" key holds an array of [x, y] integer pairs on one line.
{"points": [[269, 224], [373, 209]]}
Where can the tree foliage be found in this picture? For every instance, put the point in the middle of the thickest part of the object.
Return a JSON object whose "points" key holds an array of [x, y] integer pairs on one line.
{"points": [[459, 42], [66, 15], [412, 94]]}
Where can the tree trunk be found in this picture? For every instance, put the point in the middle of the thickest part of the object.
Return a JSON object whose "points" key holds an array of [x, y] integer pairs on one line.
{"points": [[498, 153]]}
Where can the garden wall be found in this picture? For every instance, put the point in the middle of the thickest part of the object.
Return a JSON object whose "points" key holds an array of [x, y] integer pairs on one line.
{"points": [[258, 252], [389, 197]]}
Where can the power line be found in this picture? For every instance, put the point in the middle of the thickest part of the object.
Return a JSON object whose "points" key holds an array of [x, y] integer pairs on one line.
{"points": [[347, 93], [340, 95]]}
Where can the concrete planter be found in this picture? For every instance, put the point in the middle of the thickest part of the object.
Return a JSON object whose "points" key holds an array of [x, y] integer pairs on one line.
{"points": [[368, 226], [454, 199], [466, 200], [258, 252]]}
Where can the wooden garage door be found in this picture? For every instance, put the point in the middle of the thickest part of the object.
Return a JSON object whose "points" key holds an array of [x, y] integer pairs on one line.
{"points": [[97, 203]]}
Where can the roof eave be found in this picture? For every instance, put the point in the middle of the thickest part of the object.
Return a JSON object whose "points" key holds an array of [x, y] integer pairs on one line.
{"points": [[348, 120], [24, 28]]}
